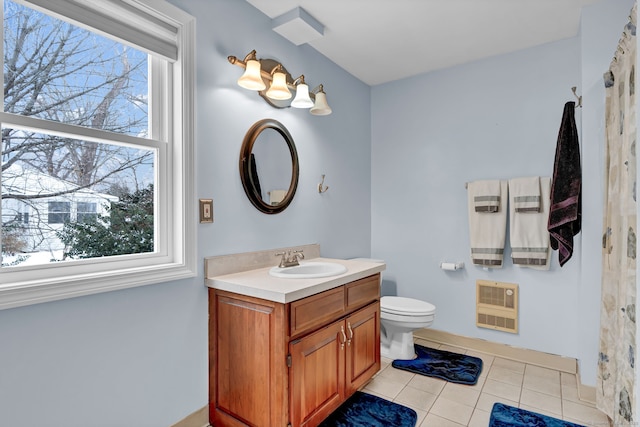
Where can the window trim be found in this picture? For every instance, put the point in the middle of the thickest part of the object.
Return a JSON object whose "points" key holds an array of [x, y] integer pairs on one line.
{"points": [[174, 261]]}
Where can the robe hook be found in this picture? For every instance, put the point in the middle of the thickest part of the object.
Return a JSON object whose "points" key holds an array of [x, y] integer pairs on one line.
{"points": [[321, 187], [579, 104]]}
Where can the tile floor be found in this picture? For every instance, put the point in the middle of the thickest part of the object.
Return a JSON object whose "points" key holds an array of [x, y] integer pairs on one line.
{"points": [[443, 404]]}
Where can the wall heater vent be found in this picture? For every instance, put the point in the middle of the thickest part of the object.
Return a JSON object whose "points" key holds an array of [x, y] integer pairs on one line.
{"points": [[497, 306]]}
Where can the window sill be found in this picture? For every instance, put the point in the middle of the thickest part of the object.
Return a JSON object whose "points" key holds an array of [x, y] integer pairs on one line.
{"points": [[28, 293]]}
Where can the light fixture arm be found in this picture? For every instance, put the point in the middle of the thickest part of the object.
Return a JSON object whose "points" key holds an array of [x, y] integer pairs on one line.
{"points": [[250, 55], [276, 69], [299, 80]]}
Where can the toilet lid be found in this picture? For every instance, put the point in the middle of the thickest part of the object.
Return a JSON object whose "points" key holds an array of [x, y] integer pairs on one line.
{"points": [[406, 306]]}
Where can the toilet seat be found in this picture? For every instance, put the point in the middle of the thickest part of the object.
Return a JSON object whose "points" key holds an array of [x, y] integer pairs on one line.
{"points": [[406, 306]]}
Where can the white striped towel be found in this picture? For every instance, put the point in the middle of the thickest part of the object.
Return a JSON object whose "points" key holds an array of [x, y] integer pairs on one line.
{"points": [[528, 234], [276, 196], [525, 194], [487, 232], [486, 196]]}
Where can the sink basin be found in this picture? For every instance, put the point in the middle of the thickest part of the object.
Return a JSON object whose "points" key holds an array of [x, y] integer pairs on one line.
{"points": [[309, 270]]}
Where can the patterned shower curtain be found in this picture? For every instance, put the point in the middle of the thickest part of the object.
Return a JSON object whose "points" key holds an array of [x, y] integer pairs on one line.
{"points": [[616, 373]]}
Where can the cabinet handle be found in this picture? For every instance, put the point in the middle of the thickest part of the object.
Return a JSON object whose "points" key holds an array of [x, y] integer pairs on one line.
{"points": [[344, 337], [350, 333]]}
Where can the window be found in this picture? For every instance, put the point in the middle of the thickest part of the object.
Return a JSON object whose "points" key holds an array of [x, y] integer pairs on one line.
{"points": [[59, 212], [22, 217], [87, 211], [97, 143]]}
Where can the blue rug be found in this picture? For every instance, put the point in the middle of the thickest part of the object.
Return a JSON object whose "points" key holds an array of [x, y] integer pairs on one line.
{"points": [[367, 410], [507, 416], [452, 367]]}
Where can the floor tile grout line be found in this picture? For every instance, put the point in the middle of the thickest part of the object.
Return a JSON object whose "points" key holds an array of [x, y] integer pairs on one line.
{"points": [[563, 397]]}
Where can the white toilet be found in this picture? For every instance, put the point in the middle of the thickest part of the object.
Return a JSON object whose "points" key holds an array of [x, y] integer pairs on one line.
{"points": [[399, 317]]}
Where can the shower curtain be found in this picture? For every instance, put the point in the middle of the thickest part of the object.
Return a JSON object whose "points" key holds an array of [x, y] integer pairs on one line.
{"points": [[616, 375]]}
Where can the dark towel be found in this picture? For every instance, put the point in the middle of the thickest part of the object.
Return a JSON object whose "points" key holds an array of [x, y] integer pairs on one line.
{"points": [[253, 176], [565, 213]]}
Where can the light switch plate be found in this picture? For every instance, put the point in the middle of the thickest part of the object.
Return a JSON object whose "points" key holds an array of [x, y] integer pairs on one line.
{"points": [[206, 210]]}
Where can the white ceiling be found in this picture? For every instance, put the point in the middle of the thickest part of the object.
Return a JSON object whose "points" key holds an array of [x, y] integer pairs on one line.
{"points": [[384, 40]]}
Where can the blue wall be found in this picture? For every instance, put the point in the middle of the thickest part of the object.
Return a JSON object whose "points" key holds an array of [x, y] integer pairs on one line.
{"points": [[493, 119], [139, 357], [396, 159]]}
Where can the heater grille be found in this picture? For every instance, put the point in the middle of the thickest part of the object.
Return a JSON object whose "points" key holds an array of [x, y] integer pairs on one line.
{"points": [[497, 306]]}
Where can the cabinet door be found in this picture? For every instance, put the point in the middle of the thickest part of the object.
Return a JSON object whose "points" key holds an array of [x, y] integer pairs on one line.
{"points": [[363, 347], [316, 375], [249, 363]]}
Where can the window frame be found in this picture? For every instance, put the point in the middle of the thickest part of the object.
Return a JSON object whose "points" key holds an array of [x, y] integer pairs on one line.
{"points": [[172, 84]]}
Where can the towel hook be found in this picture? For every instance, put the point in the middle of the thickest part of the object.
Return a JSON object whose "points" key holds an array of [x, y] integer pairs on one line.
{"points": [[579, 104], [321, 187]]}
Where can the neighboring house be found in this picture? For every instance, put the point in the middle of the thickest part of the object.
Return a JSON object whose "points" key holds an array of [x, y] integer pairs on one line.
{"points": [[40, 218]]}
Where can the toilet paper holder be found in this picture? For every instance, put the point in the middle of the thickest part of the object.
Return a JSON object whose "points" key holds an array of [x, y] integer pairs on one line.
{"points": [[452, 266]]}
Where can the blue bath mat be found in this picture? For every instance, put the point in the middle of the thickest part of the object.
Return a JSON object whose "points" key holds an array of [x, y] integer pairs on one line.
{"points": [[452, 367], [367, 410], [507, 416]]}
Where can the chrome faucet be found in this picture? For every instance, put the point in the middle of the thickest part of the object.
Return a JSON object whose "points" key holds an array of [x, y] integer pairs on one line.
{"points": [[290, 258]]}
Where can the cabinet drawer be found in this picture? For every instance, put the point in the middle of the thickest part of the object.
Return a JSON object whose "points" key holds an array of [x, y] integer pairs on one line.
{"points": [[362, 292], [314, 311]]}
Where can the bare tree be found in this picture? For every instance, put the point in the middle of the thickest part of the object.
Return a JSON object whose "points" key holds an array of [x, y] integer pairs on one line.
{"points": [[56, 71]]}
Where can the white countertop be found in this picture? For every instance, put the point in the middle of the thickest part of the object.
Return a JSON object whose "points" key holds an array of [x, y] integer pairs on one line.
{"points": [[260, 284]]}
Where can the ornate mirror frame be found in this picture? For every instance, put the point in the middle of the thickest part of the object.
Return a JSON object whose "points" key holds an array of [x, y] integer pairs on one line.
{"points": [[248, 168]]}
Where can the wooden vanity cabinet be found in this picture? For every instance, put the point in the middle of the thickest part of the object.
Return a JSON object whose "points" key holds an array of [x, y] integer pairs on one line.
{"points": [[275, 365]]}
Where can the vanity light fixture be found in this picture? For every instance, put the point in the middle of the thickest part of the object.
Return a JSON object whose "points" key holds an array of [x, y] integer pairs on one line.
{"points": [[262, 73]]}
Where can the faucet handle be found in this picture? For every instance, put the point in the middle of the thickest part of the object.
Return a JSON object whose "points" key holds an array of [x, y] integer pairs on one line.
{"points": [[283, 260], [289, 258]]}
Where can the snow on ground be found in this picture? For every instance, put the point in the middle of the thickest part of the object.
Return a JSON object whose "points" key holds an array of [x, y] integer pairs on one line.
{"points": [[33, 258]]}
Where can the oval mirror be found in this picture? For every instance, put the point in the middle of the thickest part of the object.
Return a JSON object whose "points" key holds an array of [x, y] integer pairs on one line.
{"points": [[269, 166]]}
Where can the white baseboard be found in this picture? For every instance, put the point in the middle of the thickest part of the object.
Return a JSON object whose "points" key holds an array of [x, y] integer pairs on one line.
{"points": [[199, 418], [586, 393], [532, 357]]}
